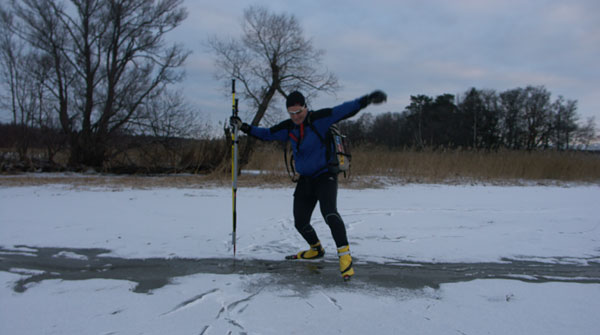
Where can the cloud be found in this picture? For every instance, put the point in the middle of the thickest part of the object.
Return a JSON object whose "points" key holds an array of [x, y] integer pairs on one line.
{"points": [[420, 47]]}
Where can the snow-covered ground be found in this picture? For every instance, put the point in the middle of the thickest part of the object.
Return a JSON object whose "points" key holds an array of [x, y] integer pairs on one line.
{"points": [[430, 259]]}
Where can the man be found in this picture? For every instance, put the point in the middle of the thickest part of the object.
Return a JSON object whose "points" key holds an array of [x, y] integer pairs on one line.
{"points": [[307, 130]]}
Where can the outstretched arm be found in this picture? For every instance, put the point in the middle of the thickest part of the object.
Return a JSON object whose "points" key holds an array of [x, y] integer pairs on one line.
{"points": [[276, 133], [351, 108]]}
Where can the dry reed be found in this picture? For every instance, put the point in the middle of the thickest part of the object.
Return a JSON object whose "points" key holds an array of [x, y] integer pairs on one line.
{"points": [[371, 167], [458, 165]]}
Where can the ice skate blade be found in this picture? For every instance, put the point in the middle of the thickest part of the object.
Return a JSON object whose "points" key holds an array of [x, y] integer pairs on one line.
{"points": [[295, 257]]}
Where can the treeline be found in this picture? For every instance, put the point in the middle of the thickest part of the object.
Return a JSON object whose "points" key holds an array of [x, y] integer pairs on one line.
{"points": [[91, 84], [517, 119], [93, 71], [25, 148], [520, 119]]}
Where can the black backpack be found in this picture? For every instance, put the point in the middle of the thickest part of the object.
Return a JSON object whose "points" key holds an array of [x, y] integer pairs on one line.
{"points": [[338, 152]]}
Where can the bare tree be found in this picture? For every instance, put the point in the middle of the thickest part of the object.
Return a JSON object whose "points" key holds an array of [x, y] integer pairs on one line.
{"points": [[272, 56], [107, 57], [25, 94], [10, 53], [512, 120], [537, 116], [416, 110], [564, 123], [585, 134], [167, 115]]}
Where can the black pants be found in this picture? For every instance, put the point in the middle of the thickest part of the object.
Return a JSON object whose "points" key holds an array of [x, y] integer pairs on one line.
{"points": [[324, 190]]}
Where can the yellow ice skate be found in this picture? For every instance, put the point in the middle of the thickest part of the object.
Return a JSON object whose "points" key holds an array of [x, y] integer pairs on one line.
{"points": [[346, 268], [315, 251]]}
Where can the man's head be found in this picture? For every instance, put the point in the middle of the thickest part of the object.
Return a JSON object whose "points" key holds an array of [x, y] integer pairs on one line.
{"points": [[296, 107]]}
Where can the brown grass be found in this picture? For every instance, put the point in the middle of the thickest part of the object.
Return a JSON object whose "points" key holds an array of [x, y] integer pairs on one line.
{"points": [[458, 165], [371, 167], [439, 166]]}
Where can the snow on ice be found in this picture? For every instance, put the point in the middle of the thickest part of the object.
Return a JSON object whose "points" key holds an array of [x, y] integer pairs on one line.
{"points": [[430, 259]]}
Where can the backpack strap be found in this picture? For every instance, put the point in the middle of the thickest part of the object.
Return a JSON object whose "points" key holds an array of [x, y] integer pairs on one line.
{"points": [[289, 165], [316, 132], [327, 146], [315, 116], [296, 139]]}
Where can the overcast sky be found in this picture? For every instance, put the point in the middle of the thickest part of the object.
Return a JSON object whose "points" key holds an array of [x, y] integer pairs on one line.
{"points": [[419, 47]]}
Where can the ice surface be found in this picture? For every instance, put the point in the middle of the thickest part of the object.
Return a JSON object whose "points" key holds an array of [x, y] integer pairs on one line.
{"points": [[412, 227]]}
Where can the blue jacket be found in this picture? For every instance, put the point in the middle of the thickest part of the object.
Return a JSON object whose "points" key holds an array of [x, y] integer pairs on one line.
{"points": [[310, 154]]}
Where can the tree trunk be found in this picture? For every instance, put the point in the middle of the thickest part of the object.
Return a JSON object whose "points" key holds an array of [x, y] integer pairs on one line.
{"points": [[248, 148], [86, 151]]}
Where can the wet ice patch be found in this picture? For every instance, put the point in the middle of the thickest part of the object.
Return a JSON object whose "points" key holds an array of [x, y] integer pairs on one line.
{"points": [[70, 255], [584, 261], [26, 272], [18, 250]]}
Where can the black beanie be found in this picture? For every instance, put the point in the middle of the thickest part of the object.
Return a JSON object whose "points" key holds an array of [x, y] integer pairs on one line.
{"points": [[295, 98]]}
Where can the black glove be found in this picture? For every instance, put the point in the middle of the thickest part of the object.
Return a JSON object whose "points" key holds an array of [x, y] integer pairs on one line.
{"points": [[236, 122], [376, 97]]}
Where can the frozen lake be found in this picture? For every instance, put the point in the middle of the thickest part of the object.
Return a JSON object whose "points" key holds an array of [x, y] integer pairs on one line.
{"points": [[429, 259]]}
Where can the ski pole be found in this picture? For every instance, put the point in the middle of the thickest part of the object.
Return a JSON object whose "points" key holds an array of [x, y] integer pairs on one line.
{"points": [[234, 163]]}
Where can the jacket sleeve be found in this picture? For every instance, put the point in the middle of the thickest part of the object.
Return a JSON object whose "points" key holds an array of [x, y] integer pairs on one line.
{"points": [[348, 109], [278, 132], [324, 118]]}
